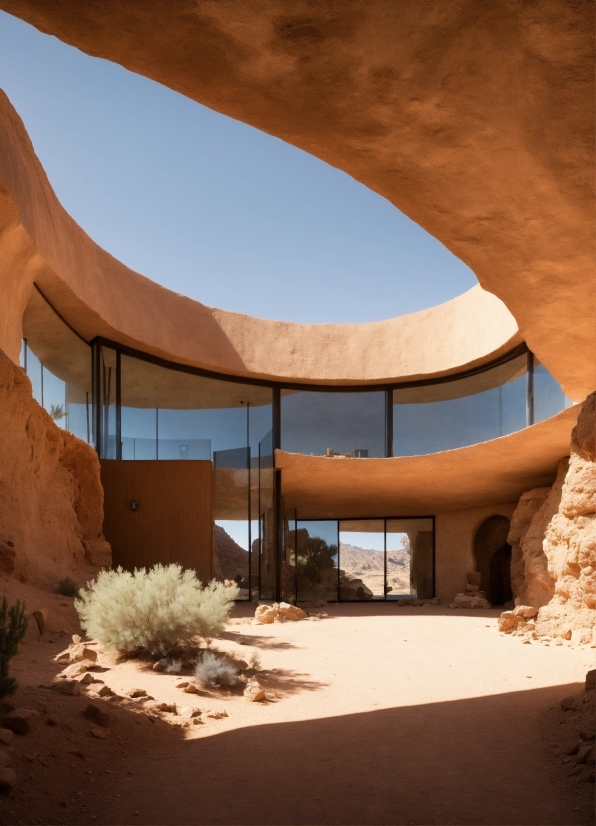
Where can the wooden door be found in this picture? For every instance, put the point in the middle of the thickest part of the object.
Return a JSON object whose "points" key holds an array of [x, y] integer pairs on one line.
{"points": [[172, 520]]}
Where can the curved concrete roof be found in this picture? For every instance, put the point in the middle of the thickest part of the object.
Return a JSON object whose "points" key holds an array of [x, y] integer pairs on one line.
{"points": [[476, 119], [98, 295]]}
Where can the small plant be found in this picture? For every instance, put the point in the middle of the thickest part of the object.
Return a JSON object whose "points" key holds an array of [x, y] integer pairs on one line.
{"points": [[216, 671], [67, 587], [13, 626], [254, 661], [172, 666], [57, 412], [153, 611]]}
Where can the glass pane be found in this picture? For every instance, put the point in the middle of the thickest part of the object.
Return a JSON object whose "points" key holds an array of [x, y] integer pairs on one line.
{"points": [[317, 551], [288, 577], [362, 559], [107, 379], [139, 431], [549, 398], [410, 558], [463, 412], [63, 385], [332, 423], [266, 510], [232, 544]]}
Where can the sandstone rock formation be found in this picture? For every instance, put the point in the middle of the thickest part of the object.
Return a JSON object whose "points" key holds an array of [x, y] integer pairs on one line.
{"points": [[51, 499], [553, 535]]}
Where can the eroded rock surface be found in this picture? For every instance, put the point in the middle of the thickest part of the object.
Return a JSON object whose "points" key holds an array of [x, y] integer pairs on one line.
{"points": [[553, 535], [51, 499]]}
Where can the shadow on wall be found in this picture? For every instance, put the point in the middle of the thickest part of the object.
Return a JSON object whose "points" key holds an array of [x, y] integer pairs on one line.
{"points": [[417, 764], [492, 553]]}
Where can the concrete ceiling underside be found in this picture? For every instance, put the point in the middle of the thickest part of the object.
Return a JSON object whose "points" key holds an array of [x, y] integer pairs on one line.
{"points": [[475, 119], [496, 471]]}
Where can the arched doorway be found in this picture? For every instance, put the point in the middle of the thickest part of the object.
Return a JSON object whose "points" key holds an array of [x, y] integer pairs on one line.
{"points": [[492, 553]]}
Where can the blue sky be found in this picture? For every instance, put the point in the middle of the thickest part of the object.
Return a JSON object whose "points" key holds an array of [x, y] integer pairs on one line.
{"points": [[210, 207]]}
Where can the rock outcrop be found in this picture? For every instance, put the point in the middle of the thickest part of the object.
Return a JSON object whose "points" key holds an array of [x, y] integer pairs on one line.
{"points": [[51, 498], [553, 535]]}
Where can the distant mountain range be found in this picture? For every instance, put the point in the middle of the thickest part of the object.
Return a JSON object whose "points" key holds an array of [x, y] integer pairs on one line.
{"points": [[361, 560]]}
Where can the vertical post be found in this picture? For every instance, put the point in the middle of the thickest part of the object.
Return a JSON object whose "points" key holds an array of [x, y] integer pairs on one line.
{"points": [[277, 497], [389, 422], [385, 559], [157, 432], [118, 406], [530, 394], [96, 395], [249, 503]]}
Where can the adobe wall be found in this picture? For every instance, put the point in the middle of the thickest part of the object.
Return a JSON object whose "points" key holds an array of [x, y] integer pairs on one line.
{"points": [[51, 499], [454, 545]]}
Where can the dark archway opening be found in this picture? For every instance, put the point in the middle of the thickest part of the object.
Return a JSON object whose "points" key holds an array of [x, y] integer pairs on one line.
{"points": [[492, 553]]}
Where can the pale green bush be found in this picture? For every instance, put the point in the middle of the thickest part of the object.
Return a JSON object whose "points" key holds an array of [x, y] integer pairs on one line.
{"points": [[216, 671], [153, 611]]}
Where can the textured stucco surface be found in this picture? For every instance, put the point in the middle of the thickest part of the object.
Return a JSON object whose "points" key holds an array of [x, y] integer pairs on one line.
{"points": [[476, 119], [51, 499], [98, 295], [454, 545], [496, 471]]}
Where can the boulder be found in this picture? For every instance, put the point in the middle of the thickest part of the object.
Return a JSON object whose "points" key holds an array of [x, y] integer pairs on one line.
{"points": [[510, 621], [525, 611], [6, 736], [266, 614], [291, 613], [20, 720], [97, 715], [71, 688], [591, 680], [136, 692], [568, 703], [78, 668], [8, 779]]}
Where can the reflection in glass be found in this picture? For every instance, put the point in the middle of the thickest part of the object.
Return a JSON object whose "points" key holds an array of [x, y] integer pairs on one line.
{"points": [[316, 544], [444, 416], [108, 377], [333, 423], [410, 558], [362, 559], [549, 398]]}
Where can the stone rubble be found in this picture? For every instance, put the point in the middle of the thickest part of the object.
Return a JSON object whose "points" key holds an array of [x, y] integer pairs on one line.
{"points": [[278, 612], [473, 596]]}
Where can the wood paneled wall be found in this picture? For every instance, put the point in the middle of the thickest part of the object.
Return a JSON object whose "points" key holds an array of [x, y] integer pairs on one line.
{"points": [[174, 519]]}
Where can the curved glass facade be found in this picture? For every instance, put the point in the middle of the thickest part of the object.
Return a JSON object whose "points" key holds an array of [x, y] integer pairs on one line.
{"points": [[134, 407]]}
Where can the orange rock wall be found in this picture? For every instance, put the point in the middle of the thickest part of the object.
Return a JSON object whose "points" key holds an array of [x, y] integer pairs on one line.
{"points": [[553, 535], [51, 499]]}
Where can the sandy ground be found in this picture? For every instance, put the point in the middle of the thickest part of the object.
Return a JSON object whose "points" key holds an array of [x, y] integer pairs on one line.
{"points": [[378, 715]]}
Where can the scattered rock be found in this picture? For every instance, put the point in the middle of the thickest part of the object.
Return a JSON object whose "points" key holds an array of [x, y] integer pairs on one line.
{"points": [[254, 691], [87, 678], [509, 621], [71, 688], [51, 721], [169, 707], [104, 691], [8, 779], [217, 715], [6, 736], [157, 666], [189, 713], [191, 689], [100, 733], [266, 614], [469, 601], [78, 668], [585, 755], [76, 639], [291, 613], [525, 611], [183, 684], [591, 680], [20, 720], [96, 715], [568, 703], [136, 692]]}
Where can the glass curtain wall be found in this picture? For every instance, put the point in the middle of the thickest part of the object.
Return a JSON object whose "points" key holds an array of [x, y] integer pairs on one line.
{"points": [[452, 414], [547, 394], [357, 560], [58, 364], [151, 412], [333, 423]]}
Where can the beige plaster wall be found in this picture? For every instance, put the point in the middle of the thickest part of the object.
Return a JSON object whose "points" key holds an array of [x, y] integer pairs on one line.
{"points": [[454, 545]]}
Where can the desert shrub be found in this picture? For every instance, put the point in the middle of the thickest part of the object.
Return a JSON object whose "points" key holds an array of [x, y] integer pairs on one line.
{"points": [[254, 661], [13, 626], [173, 666], [216, 671], [67, 587], [152, 611]]}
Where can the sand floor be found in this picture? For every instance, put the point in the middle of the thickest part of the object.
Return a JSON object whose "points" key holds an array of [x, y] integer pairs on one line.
{"points": [[379, 715]]}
